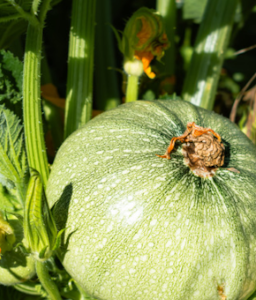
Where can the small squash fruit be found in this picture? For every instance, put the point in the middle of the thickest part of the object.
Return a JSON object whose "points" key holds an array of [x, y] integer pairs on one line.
{"points": [[143, 227], [15, 266]]}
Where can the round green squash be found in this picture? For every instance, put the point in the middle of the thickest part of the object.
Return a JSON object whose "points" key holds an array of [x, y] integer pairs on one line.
{"points": [[15, 266], [140, 227]]}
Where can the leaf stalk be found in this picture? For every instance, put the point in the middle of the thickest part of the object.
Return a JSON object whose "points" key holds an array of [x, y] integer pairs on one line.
{"points": [[80, 66], [203, 74], [34, 136]]}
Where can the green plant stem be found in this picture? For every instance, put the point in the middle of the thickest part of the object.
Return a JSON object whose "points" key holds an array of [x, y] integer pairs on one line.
{"points": [[23, 14], [167, 9], [44, 7], [34, 136], [29, 288], [80, 65], [132, 88], [186, 50], [107, 96], [46, 281], [34, 6], [9, 18], [52, 113], [204, 70]]}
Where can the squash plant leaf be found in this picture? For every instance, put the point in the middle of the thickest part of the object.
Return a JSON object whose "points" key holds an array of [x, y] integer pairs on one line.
{"points": [[14, 16], [11, 70], [13, 20], [8, 201], [13, 162], [11, 7], [11, 31], [10, 293]]}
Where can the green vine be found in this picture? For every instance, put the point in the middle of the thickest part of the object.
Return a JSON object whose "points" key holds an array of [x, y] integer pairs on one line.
{"points": [[33, 126]]}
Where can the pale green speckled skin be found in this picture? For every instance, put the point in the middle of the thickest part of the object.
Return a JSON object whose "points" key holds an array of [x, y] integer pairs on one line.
{"points": [[140, 227]]}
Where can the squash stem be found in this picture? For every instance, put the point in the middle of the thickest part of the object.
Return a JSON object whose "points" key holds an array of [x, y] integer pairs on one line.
{"points": [[107, 96], [34, 136], [204, 70], [23, 14], [167, 9], [132, 88], [52, 113], [80, 65], [46, 281]]}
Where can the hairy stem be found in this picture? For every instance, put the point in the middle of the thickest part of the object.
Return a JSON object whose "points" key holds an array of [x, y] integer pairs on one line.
{"points": [[33, 126]]}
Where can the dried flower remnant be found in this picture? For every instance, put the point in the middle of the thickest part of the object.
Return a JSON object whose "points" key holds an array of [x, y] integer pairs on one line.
{"points": [[220, 289], [203, 150], [203, 154]]}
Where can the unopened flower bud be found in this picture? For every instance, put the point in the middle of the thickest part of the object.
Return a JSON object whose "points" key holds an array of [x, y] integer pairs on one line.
{"points": [[133, 67], [7, 237]]}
